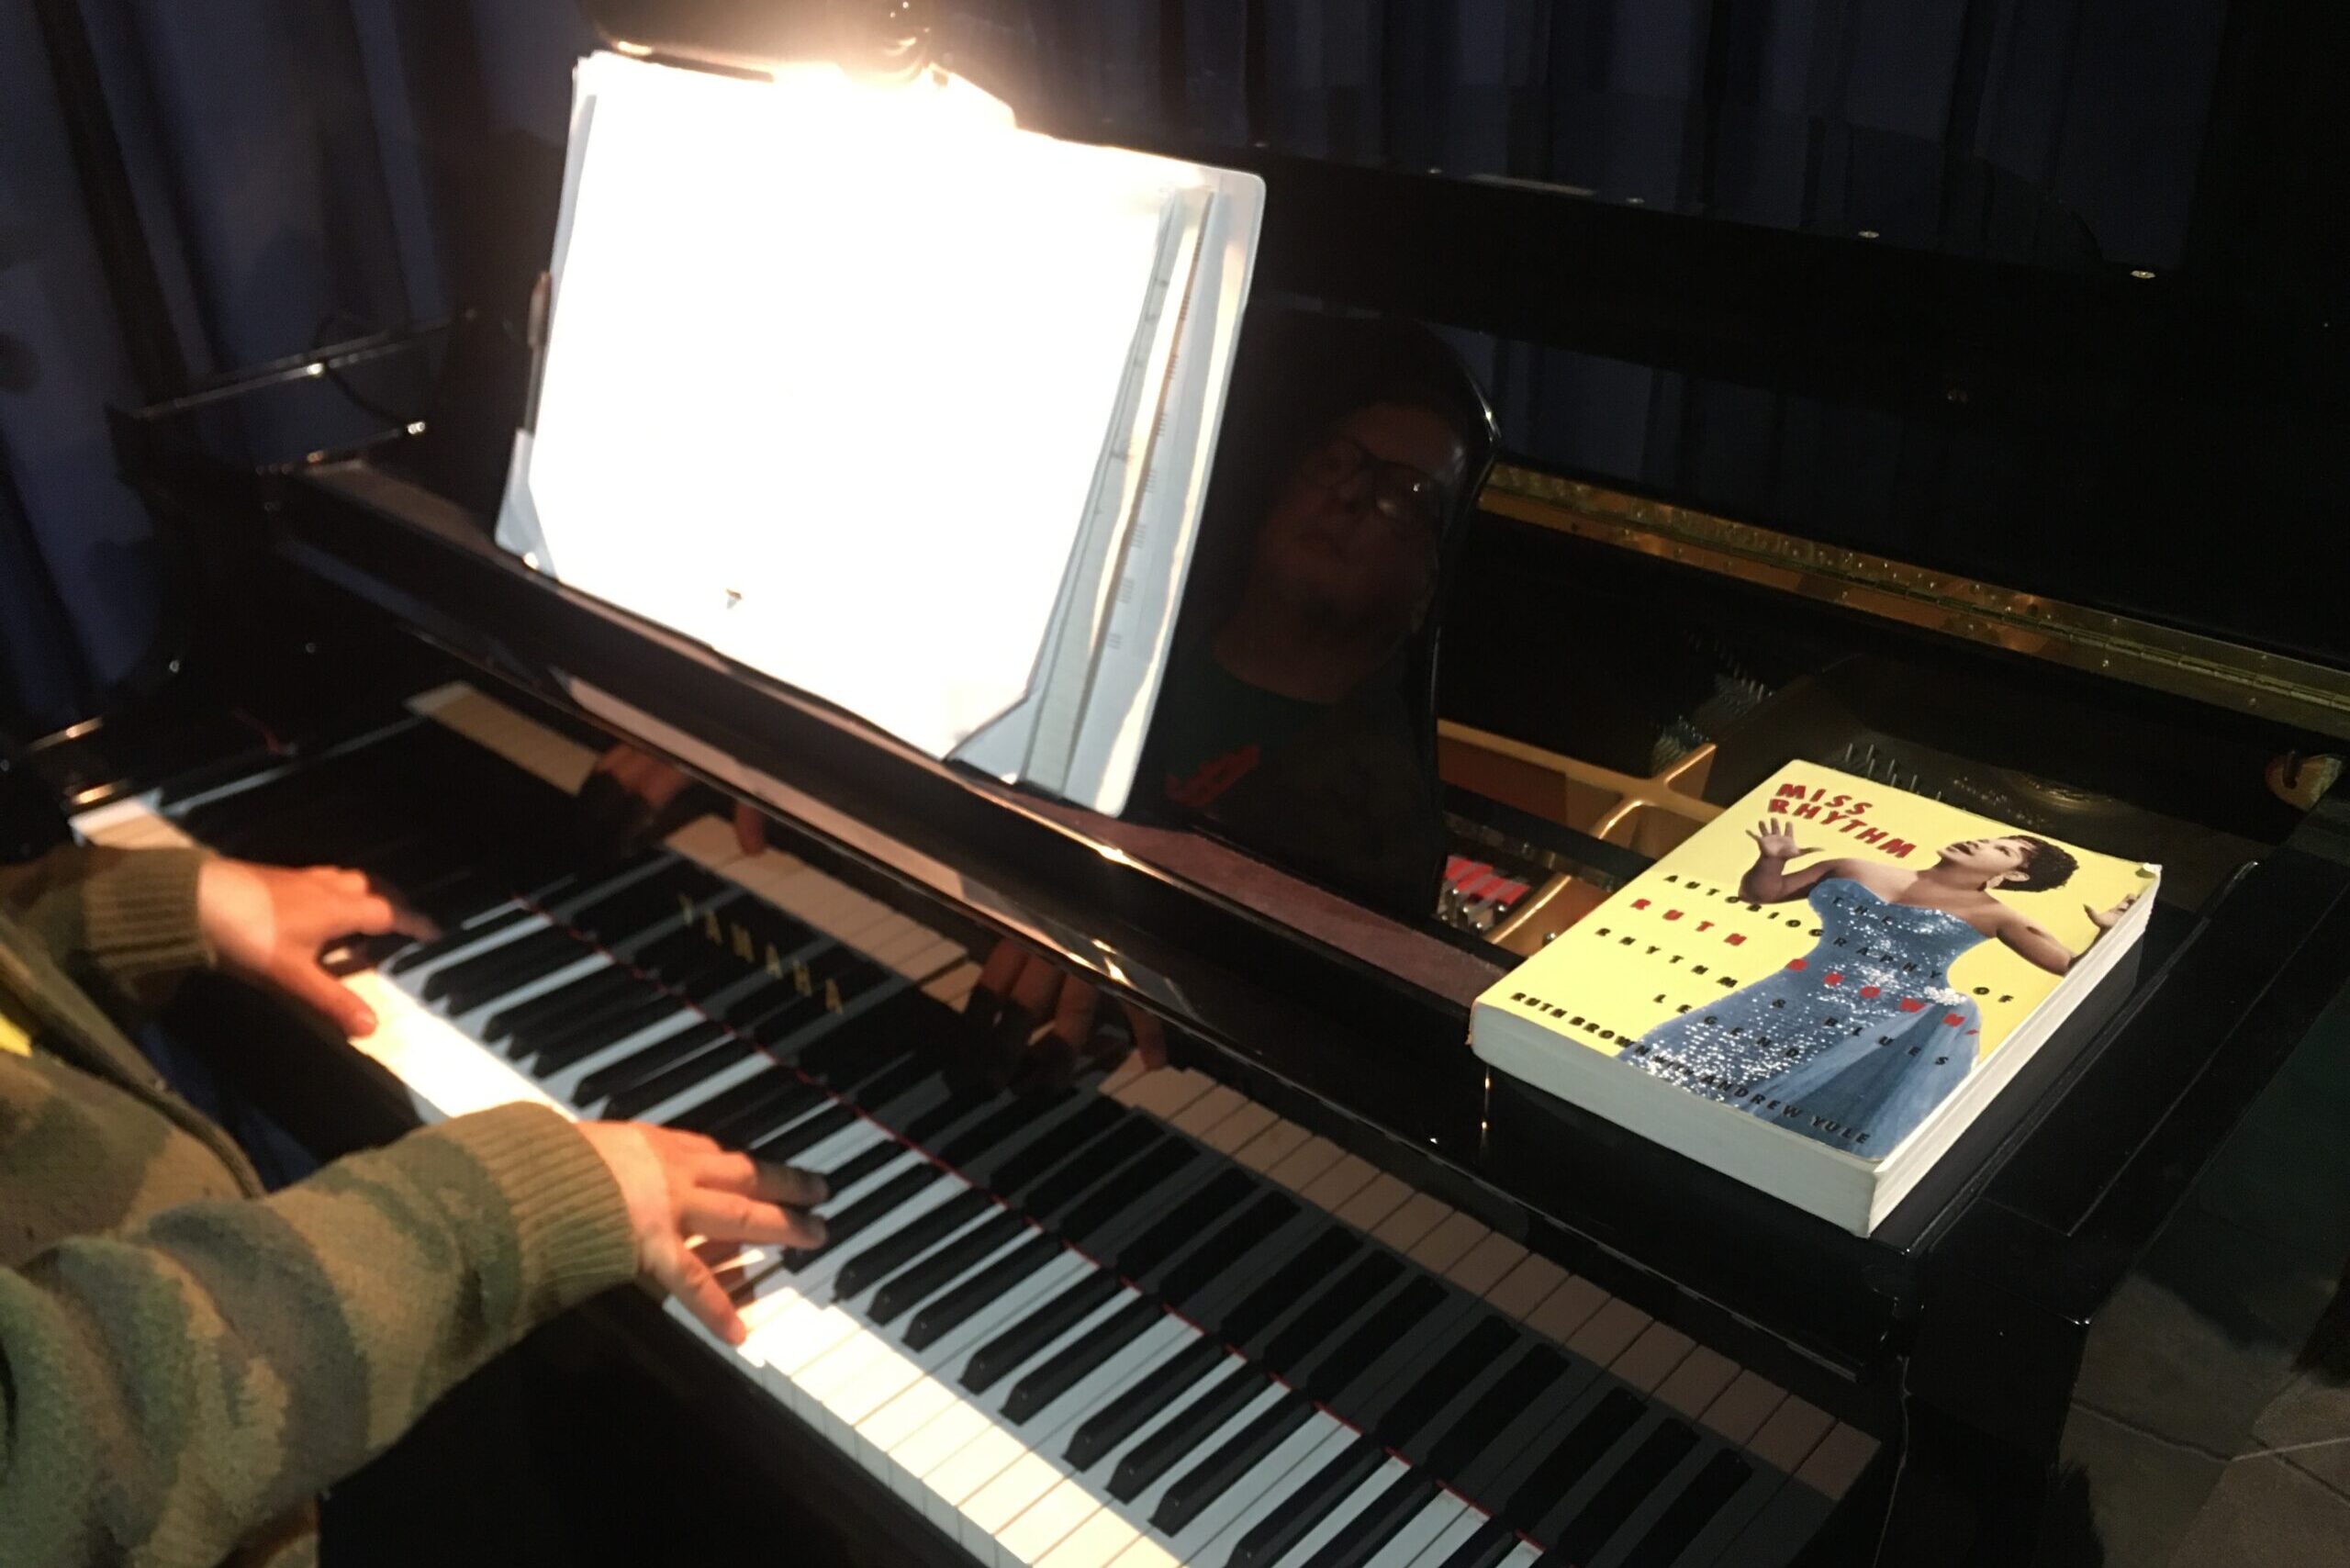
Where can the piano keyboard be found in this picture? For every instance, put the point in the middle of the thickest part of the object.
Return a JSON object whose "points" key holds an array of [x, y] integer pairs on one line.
{"points": [[1137, 1321]]}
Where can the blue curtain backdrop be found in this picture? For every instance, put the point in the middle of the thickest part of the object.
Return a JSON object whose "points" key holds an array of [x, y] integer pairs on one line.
{"points": [[309, 169]]}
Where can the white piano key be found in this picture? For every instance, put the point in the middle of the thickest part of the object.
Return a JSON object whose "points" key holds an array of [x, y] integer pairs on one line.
{"points": [[1450, 1539], [1406, 1545], [1106, 1538], [446, 1071], [893, 1422], [1024, 1485], [1058, 1508]]}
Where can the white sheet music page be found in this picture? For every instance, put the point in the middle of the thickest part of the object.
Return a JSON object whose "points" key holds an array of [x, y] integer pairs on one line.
{"points": [[830, 372]]}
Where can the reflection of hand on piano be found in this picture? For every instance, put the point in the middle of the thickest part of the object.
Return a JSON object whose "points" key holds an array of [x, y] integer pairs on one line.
{"points": [[630, 797], [1018, 990], [267, 924], [679, 1186]]}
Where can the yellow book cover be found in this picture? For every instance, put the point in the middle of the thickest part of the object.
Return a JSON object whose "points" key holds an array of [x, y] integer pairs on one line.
{"points": [[1831, 955]]}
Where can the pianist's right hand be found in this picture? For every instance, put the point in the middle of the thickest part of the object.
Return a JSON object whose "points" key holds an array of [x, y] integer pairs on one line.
{"points": [[680, 1186]]}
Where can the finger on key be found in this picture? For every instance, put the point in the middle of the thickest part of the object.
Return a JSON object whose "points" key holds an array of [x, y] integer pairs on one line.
{"points": [[730, 1171], [730, 1216]]}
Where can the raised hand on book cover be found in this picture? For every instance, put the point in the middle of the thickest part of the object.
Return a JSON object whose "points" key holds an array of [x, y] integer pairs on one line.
{"points": [[1777, 844], [2105, 919]]}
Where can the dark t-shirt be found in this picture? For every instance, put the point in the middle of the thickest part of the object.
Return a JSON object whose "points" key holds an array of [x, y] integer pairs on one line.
{"points": [[1214, 728]]}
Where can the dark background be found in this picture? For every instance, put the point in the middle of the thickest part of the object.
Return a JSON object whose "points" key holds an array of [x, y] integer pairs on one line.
{"points": [[304, 170]]}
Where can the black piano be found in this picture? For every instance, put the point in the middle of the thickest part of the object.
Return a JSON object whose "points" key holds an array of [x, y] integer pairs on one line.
{"points": [[2003, 522]]}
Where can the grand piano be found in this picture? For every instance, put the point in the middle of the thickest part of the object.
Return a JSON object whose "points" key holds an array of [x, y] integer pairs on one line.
{"points": [[1320, 1291]]}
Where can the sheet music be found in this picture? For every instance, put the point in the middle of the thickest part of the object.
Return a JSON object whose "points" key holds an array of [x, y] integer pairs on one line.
{"points": [[876, 500]]}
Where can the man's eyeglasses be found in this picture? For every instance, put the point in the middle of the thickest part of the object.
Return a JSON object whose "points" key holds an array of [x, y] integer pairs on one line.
{"points": [[1399, 492]]}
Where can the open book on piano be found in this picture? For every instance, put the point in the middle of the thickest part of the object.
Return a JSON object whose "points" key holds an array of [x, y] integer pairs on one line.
{"points": [[823, 354]]}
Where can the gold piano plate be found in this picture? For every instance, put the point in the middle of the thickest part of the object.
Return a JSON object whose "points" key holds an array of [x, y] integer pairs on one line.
{"points": [[2275, 686]]}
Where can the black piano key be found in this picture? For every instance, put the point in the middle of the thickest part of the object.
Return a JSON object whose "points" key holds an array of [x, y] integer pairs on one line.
{"points": [[1341, 1299], [1373, 1337], [1212, 1476], [1296, 1516], [1185, 1431], [845, 1055], [1479, 1348], [1125, 1188], [1102, 1432], [687, 946], [1013, 1348], [926, 1128], [1017, 1171], [757, 1002], [936, 1317], [678, 1076], [697, 976], [886, 1256], [865, 1162], [1532, 1375], [894, 1080], [758, 1131], [773, 1091], [1078, 1359], [1585, 1443], [551, 1054], [868, 1210], [647, 1059], [452, 937], [1185, 1223], [1003, 1125], [1315, 1262], [804, 1134], [1216, 1255], [634, 910], [1781, 1528], [1360, 1539], [1706, 1494], [566, 1005], [1494, 1542], [1605, 1511], [484, 975], [926, 1276], [1079, 1176]]}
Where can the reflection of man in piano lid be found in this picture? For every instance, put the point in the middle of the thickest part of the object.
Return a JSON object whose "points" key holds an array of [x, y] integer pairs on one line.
{"points": [[1341, 570], [1854, 1044]]}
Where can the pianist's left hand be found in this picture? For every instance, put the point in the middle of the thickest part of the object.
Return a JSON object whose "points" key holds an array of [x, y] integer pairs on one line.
{"points": [[267, 924]]}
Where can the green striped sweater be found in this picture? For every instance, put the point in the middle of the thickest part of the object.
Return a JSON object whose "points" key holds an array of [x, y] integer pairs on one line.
{"points": [[185, 1362]]}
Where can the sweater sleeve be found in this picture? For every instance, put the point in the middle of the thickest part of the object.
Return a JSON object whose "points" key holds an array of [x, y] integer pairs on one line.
{"points": [[170, 1389], [118, 920]]}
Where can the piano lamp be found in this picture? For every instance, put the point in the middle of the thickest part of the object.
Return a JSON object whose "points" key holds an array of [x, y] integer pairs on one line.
{"points": [[875, 41]]}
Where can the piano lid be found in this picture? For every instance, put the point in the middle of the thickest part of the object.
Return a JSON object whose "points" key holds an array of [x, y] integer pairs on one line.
{"points": [[1961, 296]]}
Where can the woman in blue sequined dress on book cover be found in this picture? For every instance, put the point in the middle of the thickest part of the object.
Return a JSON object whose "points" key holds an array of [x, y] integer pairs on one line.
{"points": [[1855, 1043]]}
